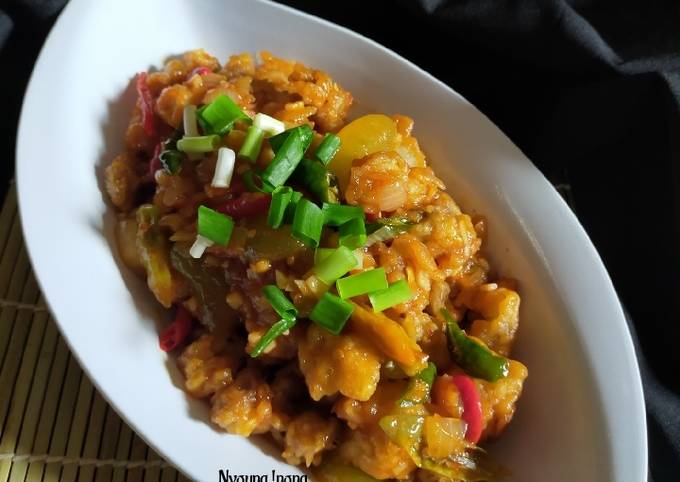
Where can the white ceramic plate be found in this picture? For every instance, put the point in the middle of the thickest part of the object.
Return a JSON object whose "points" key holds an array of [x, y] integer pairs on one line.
{"points": [[581, 417]]}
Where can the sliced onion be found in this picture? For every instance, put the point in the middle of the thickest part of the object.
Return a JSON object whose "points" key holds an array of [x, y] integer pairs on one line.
{"points": [[224, 168], [391, 197], [200, 245], [268, 124]]}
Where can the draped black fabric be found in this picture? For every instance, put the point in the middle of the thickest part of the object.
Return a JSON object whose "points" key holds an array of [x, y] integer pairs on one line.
{"points": [[589, 90]]}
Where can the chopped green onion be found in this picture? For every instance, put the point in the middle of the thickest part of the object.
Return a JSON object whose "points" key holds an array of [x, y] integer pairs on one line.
{"points": [[189, 118], [276, 330], [251, 180], [383, 234], [171, 160], [353, 233], [292, 206], [268, 124], [362, 283], [252, 144], [322, 253], [224, 168], [304, 131], [331, 313], [401, 223], [200, 245], [336, 264], [307, 223], [287, 157], [279, 302], [277, 208], [198, 144], [397, 292], [219, 116], [318, 180], [217, 227], [339, 214], [327, 149]]}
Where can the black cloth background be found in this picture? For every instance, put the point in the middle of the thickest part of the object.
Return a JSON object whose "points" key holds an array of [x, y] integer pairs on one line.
{"points": [[589, 90]]}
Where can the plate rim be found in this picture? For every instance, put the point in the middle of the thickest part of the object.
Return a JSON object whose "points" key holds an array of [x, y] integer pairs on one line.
{"points": [[71, 8]]}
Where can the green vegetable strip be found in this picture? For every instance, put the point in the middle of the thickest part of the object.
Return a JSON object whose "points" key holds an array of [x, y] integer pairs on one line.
{"points": [[397, 292], [322, 253], [279, 302], [339, 214], [472, 356], [215, 226], [327, 149], [171, 160], [307, 223], [362, 283], [331, 313], [292, 206], [286, 158], [419, 387], [251, 180], [198, 144], [304, 131], [252, 144], [336, 264], [353, 233], [277, 209], [398, 223], [276, 330], [219, 116], [317, 180]]}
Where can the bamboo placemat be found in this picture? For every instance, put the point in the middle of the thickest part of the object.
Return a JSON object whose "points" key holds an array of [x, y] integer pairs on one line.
{"points": [[54, 426]]}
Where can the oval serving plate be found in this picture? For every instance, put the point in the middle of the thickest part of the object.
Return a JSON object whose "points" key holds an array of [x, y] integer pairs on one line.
{"points": [[582, 414]]}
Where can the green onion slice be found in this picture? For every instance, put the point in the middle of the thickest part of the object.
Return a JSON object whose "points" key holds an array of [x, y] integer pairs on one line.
{"points": [[327, 149], [307, 223], [331, 313], [277, 208], [287, 157], [304, 131], [397, 292], [336, 264], [219, 116], [276, 330], [171, 160], [318, 180], [198, 144], [322, 253], [292, 206], [251, 180], [279, 302], [269, 125], [339, 214], [353, 233], [362, 283], [189, 121], [252, 144], [216, 227]]}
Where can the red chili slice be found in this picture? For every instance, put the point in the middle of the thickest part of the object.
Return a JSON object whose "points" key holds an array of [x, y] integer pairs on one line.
{"points": [[155, 162], [176, 333], [246, 205], [146, 104], [472, 406]]}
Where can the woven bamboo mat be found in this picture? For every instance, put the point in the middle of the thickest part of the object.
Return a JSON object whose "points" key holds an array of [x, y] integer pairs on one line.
{"points": [[54, 426]]}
